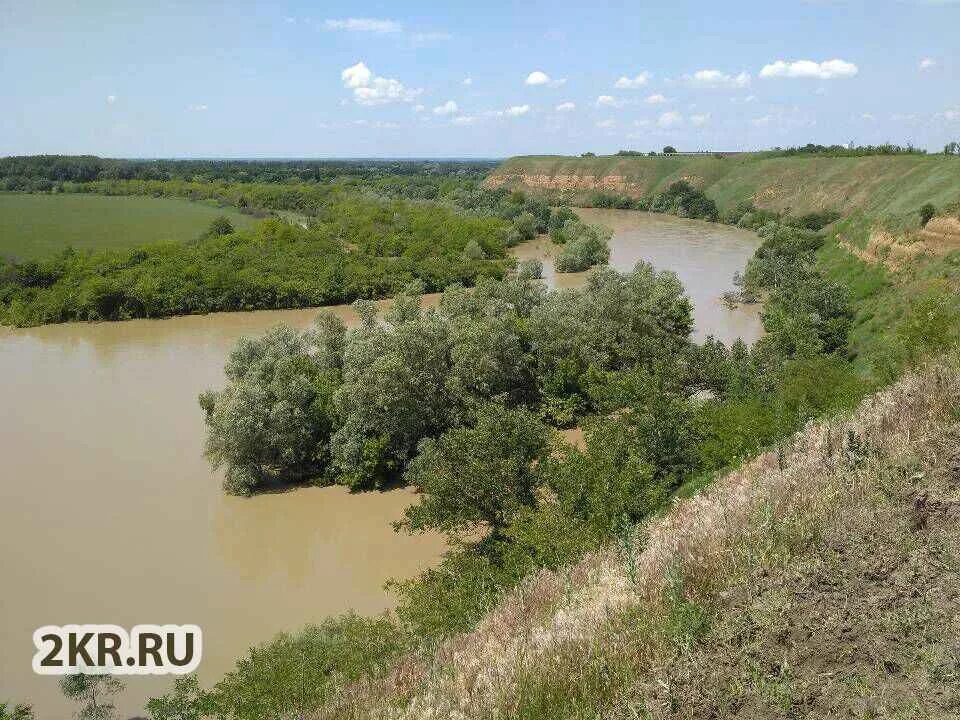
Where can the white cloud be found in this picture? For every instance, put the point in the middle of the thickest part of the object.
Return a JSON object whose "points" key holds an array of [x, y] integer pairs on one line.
{"points": [[448, 108], [608, 101], [951, 115], [464, 120], [655, 99], [422, 38], [377, 124], [631, 83], [700, 120], [197, 108], [762, 121], [718, 79], [927, 63], [516, 110], [111, 99], [372, 25], [418, 108], [538, 77], [370, 89], [356, 76], [869, 117], [468, 81], [826, 70], [670, 119], [606, 124], [566, 107]]}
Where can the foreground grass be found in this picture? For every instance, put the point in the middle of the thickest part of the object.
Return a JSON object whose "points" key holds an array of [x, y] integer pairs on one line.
{"points": [[819, 579], [37, 226]]}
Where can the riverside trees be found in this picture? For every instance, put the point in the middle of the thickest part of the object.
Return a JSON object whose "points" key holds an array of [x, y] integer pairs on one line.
{"points": [[352, 406]]}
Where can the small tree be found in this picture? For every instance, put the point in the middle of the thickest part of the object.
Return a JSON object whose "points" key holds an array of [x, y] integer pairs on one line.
{"points": [[526, 225], [478, 477], [669, 150], [17, 712], [220, 226], [187, 701], [927, 211], [92, 693], [951, 148], [473, 251]]}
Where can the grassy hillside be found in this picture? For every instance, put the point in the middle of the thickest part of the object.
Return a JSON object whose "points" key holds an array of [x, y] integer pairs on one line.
{"points": [[889, 185], [36, 226], [818, 580]]}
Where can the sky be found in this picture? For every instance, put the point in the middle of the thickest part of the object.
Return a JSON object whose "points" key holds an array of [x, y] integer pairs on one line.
{"points": [[472, 79]]}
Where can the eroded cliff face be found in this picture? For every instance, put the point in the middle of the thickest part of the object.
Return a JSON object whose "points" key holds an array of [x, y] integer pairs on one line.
{"points": [[563, 182]]}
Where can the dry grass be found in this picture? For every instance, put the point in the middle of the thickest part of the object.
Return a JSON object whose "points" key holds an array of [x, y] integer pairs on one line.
{"points": [[696, 618]]}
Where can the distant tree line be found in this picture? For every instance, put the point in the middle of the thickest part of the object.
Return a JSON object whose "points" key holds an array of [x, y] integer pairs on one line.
{"points": [[846, 151], [46, 172]]}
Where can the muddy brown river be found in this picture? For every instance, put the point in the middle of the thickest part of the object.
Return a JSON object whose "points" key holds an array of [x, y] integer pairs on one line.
{"points": [[110, 514]]}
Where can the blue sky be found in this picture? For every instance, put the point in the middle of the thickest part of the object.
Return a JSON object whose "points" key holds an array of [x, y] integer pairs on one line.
{"points": [[477, 79]]}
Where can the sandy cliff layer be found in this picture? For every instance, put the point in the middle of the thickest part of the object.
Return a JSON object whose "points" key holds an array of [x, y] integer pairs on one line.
{"points": [[878, 184]]}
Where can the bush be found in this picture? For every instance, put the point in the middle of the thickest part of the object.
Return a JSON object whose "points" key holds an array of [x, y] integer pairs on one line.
{"points": [[296, 673], [584, 247], [927, 211]]}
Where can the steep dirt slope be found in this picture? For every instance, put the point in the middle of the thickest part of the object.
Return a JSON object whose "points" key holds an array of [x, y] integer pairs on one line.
{"points": [[879, 184]]}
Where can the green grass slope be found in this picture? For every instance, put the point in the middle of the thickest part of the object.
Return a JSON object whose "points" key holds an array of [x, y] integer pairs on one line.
{"points": [[882, 184], [36, 226]]}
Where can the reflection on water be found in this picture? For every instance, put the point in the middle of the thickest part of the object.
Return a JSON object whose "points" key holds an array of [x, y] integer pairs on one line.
{"points": [[110, 514]]}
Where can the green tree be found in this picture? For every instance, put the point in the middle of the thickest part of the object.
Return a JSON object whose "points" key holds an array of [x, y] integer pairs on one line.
{"points": [[476, 478], [526, 226], [272, 423], [92, 693], [220, 226], [19, 711], [296, 673], [669, 150], [473, 251], [187, 701], [927, 211], [584, 246]]}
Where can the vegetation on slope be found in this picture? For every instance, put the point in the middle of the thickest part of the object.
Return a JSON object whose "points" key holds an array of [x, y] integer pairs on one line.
{"points": [[876, 184], [818, 579]]}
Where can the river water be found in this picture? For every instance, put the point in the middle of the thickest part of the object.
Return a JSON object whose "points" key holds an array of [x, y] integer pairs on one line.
{"points": [[110, 514]]}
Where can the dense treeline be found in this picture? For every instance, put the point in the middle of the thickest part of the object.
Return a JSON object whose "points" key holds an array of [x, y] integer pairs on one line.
{"points": [[47, 172], [355, 249]]}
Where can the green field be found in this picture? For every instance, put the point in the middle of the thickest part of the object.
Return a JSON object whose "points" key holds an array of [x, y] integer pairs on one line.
{"points": [[35, 226]]}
